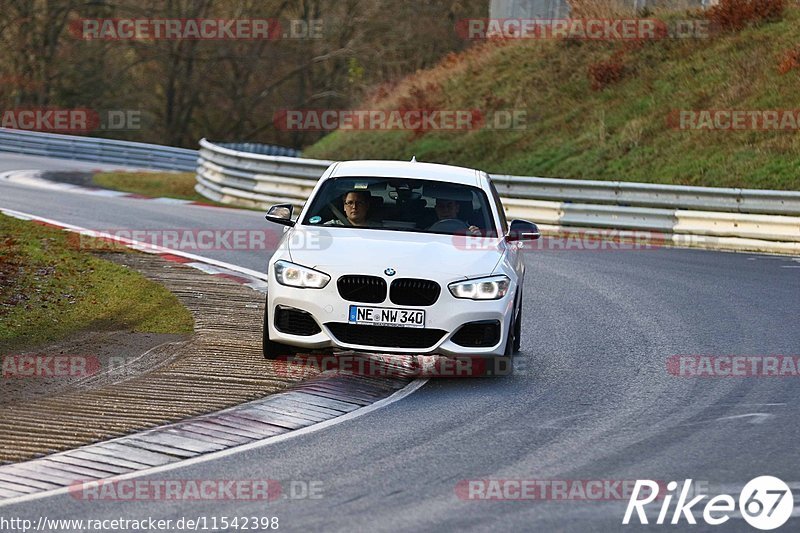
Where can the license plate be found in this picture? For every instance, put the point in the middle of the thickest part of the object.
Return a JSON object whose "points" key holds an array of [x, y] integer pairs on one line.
{"points": [[383, 316]]}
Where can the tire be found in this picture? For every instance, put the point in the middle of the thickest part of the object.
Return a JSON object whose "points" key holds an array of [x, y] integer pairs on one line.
{"points": [[273, 350], [503, 365], [518, 328]]}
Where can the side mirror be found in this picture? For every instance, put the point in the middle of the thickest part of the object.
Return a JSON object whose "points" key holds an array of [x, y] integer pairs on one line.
{"points": [[281, 214], [522, 230]]}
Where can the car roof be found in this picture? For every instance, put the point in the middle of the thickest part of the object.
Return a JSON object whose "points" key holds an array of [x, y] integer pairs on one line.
{"points": [[405, 169]]}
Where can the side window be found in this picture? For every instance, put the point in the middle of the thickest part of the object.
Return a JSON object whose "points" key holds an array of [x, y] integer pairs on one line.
{"points": [[500, 208]]}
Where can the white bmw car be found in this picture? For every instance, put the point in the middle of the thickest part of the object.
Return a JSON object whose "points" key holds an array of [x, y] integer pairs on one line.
{"points": [[397, 257]]}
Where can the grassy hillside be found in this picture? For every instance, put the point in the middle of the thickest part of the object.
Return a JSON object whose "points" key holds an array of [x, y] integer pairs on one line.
{"points": [[620, 131]]}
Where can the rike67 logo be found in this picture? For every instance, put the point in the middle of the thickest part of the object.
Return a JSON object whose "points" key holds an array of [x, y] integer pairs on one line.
{"points": [[765, 503]]}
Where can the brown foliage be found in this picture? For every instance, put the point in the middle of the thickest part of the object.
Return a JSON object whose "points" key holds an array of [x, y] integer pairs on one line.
{"points": [[735, 15], [790, 61], [421, 97], [604, 73]]}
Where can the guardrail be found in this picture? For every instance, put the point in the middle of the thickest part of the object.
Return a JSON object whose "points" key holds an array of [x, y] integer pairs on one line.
{"points": [[263, 149], [766, 220], [624, 193], [125, 153], [255, 180]]}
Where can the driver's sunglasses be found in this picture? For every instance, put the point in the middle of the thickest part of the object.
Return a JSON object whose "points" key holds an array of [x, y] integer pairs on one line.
{"points": [[351, 203]]}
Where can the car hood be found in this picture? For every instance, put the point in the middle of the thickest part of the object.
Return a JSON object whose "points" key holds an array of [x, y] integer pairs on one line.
{"points": [[367, 251]]}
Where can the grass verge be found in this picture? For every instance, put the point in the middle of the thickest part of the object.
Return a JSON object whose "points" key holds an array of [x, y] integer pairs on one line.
{"points": [[156, 184], [49, 289], [178, 185]]}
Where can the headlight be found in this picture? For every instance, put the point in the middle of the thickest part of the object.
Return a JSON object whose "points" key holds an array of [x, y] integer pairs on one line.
{"points": [[491, 288], [293, 275]]}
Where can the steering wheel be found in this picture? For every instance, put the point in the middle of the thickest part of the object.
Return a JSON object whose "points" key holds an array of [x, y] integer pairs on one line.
{"points": [[449, 225]]}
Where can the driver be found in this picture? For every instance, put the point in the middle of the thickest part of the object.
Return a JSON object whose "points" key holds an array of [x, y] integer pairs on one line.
{"points": [[448, 209], [356, 209]]}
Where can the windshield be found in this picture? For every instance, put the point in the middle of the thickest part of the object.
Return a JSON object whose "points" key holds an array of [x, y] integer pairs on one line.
{"points": [[402, 204]]}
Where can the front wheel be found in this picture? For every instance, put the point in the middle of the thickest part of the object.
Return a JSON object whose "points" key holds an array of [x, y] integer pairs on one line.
{"points": [[273, 350], [503, 365], [514, 335], [518, 329]]}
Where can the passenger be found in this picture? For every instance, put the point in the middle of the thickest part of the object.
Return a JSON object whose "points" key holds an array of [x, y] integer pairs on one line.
{"points": [[356, 209], [448, 209]]}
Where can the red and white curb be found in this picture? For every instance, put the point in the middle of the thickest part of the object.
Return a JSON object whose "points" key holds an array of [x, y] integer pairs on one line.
{"points": [[306, 408]]}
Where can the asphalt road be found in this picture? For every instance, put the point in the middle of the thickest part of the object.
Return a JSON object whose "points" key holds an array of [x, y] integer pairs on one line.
{"points": [[591, 399], [11, 161]]}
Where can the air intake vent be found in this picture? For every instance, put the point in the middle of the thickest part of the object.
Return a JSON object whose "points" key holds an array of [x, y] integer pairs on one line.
{"points": [[295, 322], [418, 292], [364, 289], [385, 336], [483, 334]]}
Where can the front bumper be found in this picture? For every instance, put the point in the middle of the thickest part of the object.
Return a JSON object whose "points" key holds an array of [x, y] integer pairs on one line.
{"points": [[447, 315]]}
